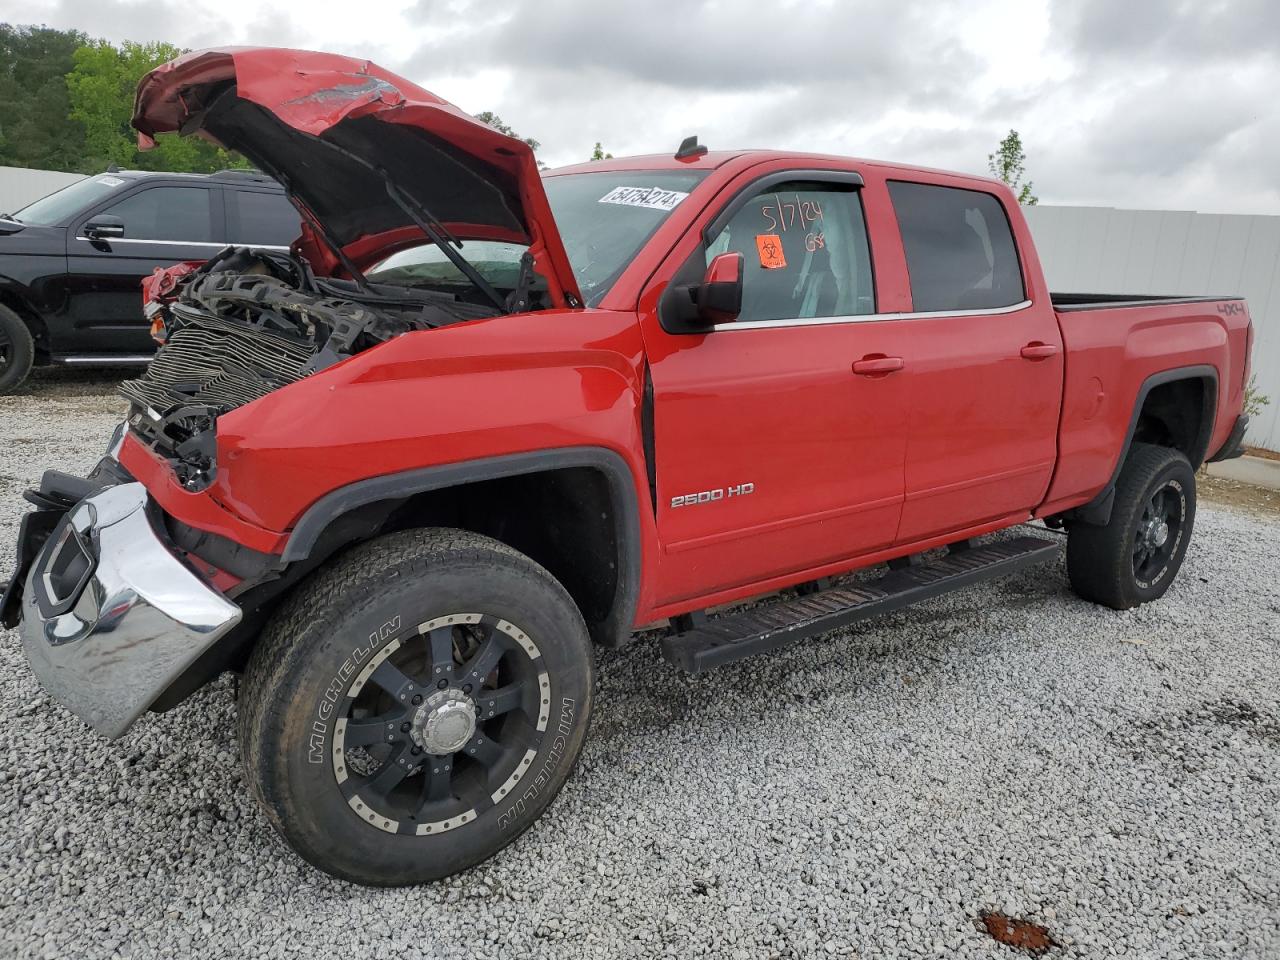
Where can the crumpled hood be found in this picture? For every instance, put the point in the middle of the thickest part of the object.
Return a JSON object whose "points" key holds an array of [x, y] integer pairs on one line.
{"points": [[334, 130]]}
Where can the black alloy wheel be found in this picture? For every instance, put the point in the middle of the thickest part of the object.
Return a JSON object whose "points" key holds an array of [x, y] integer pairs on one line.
{"points": [[1134, 557], [415, 705], [441, 724], [1158, 532]]}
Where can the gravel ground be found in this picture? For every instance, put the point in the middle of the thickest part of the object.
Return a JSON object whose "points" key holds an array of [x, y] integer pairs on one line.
{"points": [[1114, 777]]}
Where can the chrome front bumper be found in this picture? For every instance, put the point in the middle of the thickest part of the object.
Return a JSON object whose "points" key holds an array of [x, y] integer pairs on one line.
{"points": [[110, 617]]}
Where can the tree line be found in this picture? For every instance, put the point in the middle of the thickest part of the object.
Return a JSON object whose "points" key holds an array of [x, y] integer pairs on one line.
{"points": [[68, 99]]}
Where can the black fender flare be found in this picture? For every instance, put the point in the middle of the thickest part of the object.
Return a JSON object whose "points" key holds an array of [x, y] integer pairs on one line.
{"points": [[16, 295], [1097, 511], [320, 515]]}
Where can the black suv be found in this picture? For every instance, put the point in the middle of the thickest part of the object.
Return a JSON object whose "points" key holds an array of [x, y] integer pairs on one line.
{"points": [[71, 264]]}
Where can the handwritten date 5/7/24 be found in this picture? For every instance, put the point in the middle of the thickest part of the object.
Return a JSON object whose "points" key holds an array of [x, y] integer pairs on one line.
{"points": [[782, 214]]}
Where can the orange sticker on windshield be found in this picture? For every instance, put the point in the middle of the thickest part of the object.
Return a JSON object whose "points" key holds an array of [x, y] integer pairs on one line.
{"points": [[769, 246]]}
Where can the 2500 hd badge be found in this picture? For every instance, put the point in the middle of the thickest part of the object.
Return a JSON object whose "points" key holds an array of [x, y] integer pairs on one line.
{"points": [[711, 496]]}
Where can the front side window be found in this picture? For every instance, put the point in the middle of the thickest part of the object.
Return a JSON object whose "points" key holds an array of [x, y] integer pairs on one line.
{"points": [[959, 246], [177, 214], [805, 252]]}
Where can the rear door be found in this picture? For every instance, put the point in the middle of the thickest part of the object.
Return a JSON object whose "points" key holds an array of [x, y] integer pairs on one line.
{"points": [[164, 222], [261, 218], [772, 455], [986, 365]]}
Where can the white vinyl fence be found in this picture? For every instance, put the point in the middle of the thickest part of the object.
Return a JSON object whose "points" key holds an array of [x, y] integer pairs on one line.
{"points": [[20, 186], [1106, 250]]}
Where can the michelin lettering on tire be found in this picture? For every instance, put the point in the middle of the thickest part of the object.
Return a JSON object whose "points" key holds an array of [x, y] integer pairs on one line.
{"points": [[563, 729], [336, 688]]}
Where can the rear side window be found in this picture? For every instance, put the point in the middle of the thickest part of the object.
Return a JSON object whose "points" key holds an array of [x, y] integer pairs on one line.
{"points": [[805, 251], [263, 219], [959, 246], [166, 213]]}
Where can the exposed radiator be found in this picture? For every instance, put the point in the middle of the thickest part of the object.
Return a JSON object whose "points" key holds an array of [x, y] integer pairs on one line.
{"points": [[217, 363]]}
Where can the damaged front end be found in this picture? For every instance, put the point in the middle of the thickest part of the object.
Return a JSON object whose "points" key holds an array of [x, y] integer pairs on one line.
{"points": [[377, 167], [252, 321], [415, 216]]}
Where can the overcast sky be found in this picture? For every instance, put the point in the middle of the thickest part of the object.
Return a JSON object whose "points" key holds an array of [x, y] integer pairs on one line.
{"points": [[1140, 103]]}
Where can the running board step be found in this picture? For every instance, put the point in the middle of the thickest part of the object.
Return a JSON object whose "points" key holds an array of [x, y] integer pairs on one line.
{"points": [[714, 643]]}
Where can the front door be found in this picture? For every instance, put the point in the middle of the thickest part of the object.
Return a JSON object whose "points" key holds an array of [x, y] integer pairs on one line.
{"points": [[163, 224], [986, 366], [772, 455]]}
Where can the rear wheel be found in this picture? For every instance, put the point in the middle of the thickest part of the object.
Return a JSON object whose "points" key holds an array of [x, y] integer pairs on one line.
{"points": [[17, 350], [416, 706], [1136, 555]]}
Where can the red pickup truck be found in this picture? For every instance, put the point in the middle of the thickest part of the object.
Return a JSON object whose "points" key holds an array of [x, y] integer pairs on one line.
{"points": [[404, 475]]}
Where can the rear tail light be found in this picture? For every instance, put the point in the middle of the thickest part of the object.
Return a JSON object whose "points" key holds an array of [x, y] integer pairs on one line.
{"points": [[1248, 354]]}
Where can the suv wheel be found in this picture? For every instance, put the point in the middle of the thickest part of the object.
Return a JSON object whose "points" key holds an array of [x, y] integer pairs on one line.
{"points": [[17, 350], [1136, 555], [415, 706]]}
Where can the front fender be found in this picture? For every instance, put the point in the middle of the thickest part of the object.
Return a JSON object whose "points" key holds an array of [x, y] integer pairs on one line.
{"points": [[508, 385]]}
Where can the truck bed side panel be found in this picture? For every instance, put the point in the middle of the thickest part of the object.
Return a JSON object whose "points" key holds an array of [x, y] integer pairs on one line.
{"points": [[1110, 353]]}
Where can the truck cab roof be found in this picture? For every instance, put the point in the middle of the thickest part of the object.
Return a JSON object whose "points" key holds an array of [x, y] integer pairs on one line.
{"points": [[741, 159]]}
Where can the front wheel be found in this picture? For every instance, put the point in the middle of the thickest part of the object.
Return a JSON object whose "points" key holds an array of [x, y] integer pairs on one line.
{"points": [[1136, 555], [17, 350], [415, 706]]}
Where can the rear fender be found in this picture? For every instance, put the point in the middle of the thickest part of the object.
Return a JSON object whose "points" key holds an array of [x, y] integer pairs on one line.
{"points": [[1097, 511]]}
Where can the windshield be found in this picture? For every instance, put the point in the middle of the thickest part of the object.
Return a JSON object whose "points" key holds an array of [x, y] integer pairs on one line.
{"points": [[606, 217], [498, 263], [61, 206]]}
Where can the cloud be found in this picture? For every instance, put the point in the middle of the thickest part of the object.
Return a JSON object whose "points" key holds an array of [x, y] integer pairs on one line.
{"points": [[1172, 34], [1150, 102], [696, 45]]}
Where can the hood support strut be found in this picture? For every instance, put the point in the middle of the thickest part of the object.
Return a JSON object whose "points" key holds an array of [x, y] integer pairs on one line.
{"points": [[334, 247], [436, 231]]}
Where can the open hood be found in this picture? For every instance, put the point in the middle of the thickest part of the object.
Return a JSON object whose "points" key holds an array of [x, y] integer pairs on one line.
{"points": [[337, 132]]}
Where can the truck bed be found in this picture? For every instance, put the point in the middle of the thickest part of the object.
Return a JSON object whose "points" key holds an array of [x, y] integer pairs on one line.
{"points": [[1100, 301], [1120, 348]]}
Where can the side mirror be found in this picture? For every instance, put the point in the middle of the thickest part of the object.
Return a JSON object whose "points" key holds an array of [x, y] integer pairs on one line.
{"points": [[719, 296], [696, 307], [104, 227]]}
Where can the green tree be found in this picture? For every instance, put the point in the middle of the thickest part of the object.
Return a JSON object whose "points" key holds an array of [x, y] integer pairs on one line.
{"points": [[36, 129], [1254, 399], [1009, 164], [495, 121], [599, 154], [101, 88]]}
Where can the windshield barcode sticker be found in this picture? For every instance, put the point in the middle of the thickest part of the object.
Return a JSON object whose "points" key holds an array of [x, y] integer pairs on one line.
{"points": [[654, 198]]}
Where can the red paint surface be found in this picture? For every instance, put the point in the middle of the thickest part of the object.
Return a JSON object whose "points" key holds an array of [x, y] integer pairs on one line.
{"points": [[967, 435]]}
